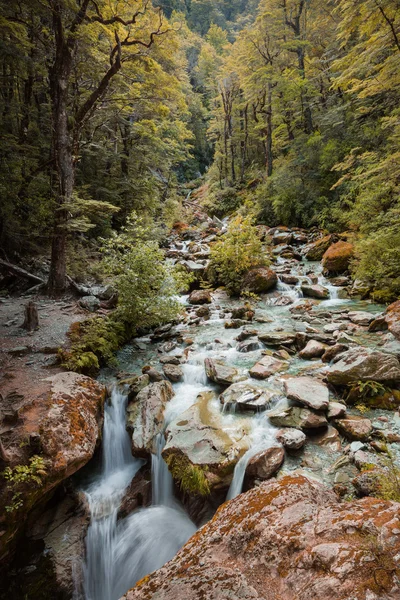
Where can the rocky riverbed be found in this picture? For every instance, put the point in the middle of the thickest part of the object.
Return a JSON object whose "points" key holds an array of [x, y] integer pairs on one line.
{"points": [[300, 387]]}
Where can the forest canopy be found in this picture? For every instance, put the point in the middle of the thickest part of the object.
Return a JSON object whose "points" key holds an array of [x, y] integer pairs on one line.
{"points": [[286, 110]]}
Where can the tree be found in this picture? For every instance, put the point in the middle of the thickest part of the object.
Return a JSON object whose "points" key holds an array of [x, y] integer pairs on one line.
{"points": [[67, 23]]}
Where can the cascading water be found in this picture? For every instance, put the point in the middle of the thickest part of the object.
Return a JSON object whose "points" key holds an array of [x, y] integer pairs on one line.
{"points": [[119, 553], [262, 438]]}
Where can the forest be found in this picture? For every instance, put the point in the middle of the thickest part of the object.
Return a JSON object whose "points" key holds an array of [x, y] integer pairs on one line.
{"points": [[287, 111], [199, 299]]}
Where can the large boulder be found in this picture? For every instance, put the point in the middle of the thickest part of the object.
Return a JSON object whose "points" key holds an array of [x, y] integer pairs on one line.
{"points": [[316, 250], [355, 428], [260, 280], [58, 431], [200, 297], [298, 418], [265, 463], [267, 366], [274, 338], [315, 291], [286, 540], [145, 416], [218, 372], [307, 391], [291, 439], [362, 365], [199, 451], [338, 256], [313, 349], [393, 318], [243, 397]]}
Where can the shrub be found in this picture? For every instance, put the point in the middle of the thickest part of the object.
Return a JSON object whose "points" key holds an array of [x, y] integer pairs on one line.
{"points": [[20, 475], [236, 252]]}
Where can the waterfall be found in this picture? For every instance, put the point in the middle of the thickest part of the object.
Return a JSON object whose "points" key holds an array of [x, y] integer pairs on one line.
{"points": [[262, 438], [119, 553], [162, 482]]}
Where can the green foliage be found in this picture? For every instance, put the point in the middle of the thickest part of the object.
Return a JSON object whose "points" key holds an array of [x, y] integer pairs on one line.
{"points": [[191, 478], [21, 475], [236, 252], [363, 390], [147, 285], [389, 481], [222, 202], [93, 344]]}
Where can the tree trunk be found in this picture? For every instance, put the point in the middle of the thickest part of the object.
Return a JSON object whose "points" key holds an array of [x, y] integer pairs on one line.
{"points": [[268, 141], [31, 321], [62, 151]]}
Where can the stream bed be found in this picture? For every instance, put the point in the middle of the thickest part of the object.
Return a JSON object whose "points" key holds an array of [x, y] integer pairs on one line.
{"points": [[119, 552]]}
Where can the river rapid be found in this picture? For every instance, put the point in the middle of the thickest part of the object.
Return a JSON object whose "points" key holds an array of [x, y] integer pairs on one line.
{"points": [[119, 552]]}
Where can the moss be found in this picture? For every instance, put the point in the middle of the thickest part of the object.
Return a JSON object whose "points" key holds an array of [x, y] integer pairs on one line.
{"points": [[191, 478], [94, 343]]}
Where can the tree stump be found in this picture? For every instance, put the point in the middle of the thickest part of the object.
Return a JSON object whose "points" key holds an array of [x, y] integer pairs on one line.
{"points": [[31, 321]]}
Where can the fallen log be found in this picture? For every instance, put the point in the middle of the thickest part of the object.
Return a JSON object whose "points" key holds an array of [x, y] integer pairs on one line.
{"points": [[21, 272]]}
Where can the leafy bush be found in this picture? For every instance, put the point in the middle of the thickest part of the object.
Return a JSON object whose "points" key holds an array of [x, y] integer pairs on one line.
{"points": [[147, 284], [236, 252], [223, 202], [22, 474]]}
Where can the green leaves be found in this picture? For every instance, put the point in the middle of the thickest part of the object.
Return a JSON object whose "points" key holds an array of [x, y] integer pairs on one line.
{"points": [[236, 252]]}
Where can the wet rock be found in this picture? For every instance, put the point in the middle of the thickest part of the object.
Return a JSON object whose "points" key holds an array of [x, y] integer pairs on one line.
{"points": [[173, 372], [137, 495], [316, 250], [234, 324], [308, 392], [332, 327], [337, 258], [266, 367], [291, 439], [393, 319], [336, 410], [170, 359], [243, 397], [354, 427], [313, 349], [282, 237], [203, 311], [218, 372], [153, 375], [328, 438], [333, 352], [272, 338], [289, 279], [315, 291], [248, 346], [299, 418], [245, 313], [378, 324], [361, 317], [145, 417], [198, 439], [63, 425], [200, 297], [136, 385], [265, 463], [287, 539], [246, 334], [90, 303], [362, 365], [260, 280]]}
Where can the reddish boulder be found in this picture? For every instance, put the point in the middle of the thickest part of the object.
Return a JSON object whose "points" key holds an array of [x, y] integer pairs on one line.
{"points": [[260, 281], [337, 258], [393, 318], [285, 540]]}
